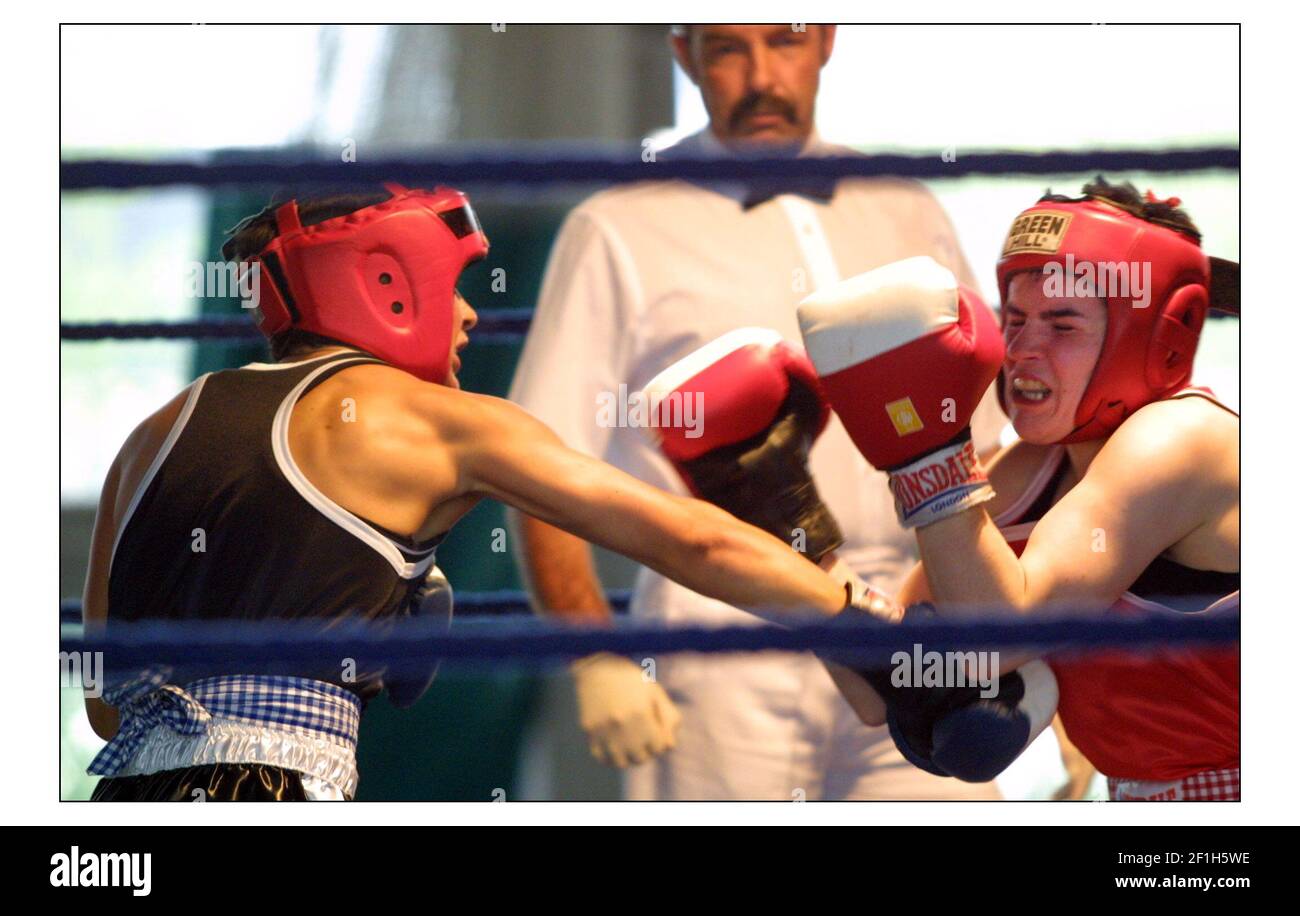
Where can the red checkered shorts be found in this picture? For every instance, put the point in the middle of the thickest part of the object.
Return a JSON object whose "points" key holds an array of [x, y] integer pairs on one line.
{"points": [[1211, 785]]}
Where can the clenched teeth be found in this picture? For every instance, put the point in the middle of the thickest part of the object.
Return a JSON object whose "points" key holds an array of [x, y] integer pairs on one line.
{"points": [[1031, 389]]}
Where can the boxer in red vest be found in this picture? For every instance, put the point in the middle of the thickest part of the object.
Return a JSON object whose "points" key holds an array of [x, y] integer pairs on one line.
{"points": [[1121, 495]]}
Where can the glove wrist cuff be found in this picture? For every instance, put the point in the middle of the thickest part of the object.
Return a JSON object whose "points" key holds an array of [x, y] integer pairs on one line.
{"points": [[862, 599], [942, 483]]}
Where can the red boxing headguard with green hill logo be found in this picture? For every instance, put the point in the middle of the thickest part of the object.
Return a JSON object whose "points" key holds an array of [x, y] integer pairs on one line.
{"points": [[1148, 351], [382, 279]]}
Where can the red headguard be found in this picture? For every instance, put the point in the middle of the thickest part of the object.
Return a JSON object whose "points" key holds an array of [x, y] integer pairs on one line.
{"points": [[1148, 349], [382, 278]]}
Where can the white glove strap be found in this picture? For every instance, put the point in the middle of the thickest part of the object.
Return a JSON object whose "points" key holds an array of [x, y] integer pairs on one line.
{"points": [[938, 485]]}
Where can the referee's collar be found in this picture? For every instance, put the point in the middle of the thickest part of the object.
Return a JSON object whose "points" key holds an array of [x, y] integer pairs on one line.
{"points": [[704, 143]]}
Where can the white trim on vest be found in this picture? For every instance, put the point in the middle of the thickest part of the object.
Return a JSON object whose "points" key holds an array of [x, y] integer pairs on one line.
{"points": [[187, 409], [385, 546]]}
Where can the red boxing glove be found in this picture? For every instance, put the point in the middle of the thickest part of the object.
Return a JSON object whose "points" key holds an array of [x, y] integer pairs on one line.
{"points": [[904, 355], [760, 409]]}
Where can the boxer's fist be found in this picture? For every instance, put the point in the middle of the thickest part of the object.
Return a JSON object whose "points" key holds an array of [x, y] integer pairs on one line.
{"points": [[954, 731], [904, 355], [978, 740], [759, 409]]}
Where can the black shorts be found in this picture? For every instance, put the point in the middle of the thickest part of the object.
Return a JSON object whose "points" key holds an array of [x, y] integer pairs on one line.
{"points": [[214, 782]]}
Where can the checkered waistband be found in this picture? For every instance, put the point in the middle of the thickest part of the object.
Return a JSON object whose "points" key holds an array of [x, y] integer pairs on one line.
{"points": [[1210, 785], [315, 709]]}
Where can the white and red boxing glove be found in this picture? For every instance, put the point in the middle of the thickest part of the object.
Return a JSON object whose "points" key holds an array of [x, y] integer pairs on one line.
{"points": [[757, 409], [904, 355]]}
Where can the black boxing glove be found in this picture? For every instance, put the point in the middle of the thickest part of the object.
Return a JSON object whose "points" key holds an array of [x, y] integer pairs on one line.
{"points": [[976, 741], [957, 730]]}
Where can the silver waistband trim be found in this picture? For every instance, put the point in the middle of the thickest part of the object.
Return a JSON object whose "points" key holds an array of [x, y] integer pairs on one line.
{"points": [[234, 742]]}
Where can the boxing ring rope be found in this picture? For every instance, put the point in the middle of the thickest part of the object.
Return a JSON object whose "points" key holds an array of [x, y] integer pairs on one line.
{"points": [[495, 326], [502, 165], [407, 644], [499, 603], [493, 627]]}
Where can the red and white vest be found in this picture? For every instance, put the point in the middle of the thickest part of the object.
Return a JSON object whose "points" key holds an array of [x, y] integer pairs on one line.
{"points": [[1160, 715]]}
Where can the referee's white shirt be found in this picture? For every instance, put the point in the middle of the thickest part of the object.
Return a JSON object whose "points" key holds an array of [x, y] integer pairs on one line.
{"points": [[640, 275]]}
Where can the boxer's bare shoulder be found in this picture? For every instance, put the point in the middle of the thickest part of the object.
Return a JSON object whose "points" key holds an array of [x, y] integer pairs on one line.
{"points": [[1189, 450], [1194, 426], [1188, 446], [374, 439]]}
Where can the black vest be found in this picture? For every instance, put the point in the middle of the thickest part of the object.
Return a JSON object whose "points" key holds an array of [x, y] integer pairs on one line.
{"points": [[225, 526]]}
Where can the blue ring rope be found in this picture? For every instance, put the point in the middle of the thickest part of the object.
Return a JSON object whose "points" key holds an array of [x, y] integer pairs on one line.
{"points": [[407, 643], [495, 326], [498, 603], [505, 165]]}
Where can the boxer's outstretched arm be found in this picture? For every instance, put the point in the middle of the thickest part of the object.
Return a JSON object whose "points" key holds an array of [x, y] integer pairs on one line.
{"points": [[499, 450]]}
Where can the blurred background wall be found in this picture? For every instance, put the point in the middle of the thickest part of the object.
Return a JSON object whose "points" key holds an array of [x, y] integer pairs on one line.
{"points": [[160, 91]]}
